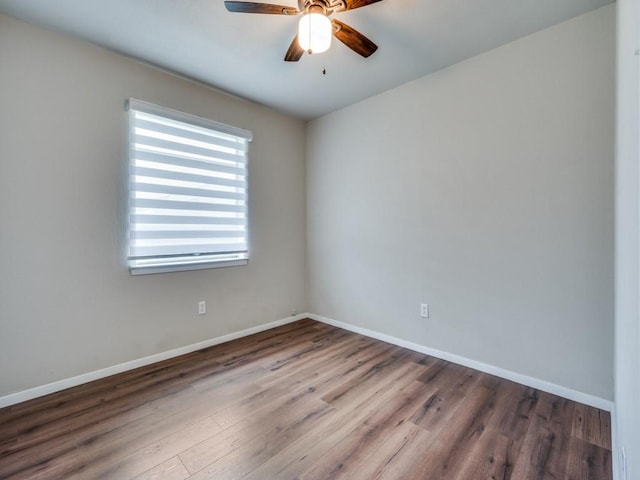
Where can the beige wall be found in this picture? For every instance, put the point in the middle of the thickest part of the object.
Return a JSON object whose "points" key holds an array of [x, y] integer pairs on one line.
{"points": [[485, 190], [67, 302]]}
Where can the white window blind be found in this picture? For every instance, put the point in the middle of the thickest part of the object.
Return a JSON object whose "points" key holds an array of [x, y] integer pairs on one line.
{"points": [[187, 191]]}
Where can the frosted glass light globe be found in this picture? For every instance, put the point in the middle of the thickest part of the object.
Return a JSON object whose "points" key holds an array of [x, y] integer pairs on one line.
{"points": [[314, 33]]}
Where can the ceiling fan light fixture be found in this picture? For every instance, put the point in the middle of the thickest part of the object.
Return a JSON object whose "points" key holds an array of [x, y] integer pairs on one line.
{"points": [[314, 33], [314, 29]]}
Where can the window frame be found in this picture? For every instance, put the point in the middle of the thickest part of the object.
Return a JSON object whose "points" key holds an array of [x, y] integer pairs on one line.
{"points": [[184, 261]]}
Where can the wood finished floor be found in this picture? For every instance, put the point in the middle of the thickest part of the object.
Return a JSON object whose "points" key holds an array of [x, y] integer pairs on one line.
{"points": [[304, 401]]}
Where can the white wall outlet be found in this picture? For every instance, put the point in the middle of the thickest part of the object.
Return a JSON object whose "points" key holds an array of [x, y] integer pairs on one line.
{"points": [[202, 307], [293, 312], [424, 310]]}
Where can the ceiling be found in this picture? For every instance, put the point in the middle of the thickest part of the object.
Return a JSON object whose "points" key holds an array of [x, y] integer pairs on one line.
{"points": [[243, 53]]}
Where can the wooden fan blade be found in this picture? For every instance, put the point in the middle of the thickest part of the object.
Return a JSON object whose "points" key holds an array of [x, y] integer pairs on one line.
{"points": [[254, 7], [353, 4], [301, 4], [353, 39], [295, 51]]}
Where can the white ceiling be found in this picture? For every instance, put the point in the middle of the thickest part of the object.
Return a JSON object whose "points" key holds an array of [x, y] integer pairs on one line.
{"points": [[243, 53]]}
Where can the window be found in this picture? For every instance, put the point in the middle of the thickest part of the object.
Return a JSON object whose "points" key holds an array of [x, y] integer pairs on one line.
{"points": [[187, 191]]}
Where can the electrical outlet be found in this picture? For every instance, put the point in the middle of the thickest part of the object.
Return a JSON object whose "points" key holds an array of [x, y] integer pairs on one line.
{"points": [[202, 307], [424, 310]]}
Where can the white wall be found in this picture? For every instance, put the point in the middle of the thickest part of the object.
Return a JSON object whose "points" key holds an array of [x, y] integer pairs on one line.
{"points": [[67, 302], [627, 341], [485, 190]]}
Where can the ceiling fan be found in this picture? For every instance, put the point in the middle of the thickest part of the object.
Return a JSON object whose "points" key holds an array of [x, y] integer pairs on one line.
{"points": [[315, 28]]}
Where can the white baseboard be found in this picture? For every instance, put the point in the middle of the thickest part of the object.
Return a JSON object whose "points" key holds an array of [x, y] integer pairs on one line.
{"points": [[532, 382], [53, 387]]}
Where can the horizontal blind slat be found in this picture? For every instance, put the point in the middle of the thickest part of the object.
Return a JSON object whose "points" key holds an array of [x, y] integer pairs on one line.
{"points": [[186, 191], [140, 219], [186, 205], [191, 163], [186, 177], [168, 234]]}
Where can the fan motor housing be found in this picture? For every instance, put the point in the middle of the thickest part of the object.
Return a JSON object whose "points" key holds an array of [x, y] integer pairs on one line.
{"points": [[328, 6]]}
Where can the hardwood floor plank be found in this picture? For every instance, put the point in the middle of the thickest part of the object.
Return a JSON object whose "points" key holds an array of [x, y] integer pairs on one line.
{"points": [[336, 356], [145, 459], [321, 346], [29, 463], [171, 469], [448, 453], [495, 461], [255, 452], [587, 461], [367, 379], [247, 374], [405, 460], [448, 388], [493, 454], [382, 459], [304, 401], [368, 385], [327, 376], [545, 448], [347, 456], [249, 406], [267, 423], [592, 425], [515, 420]]}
